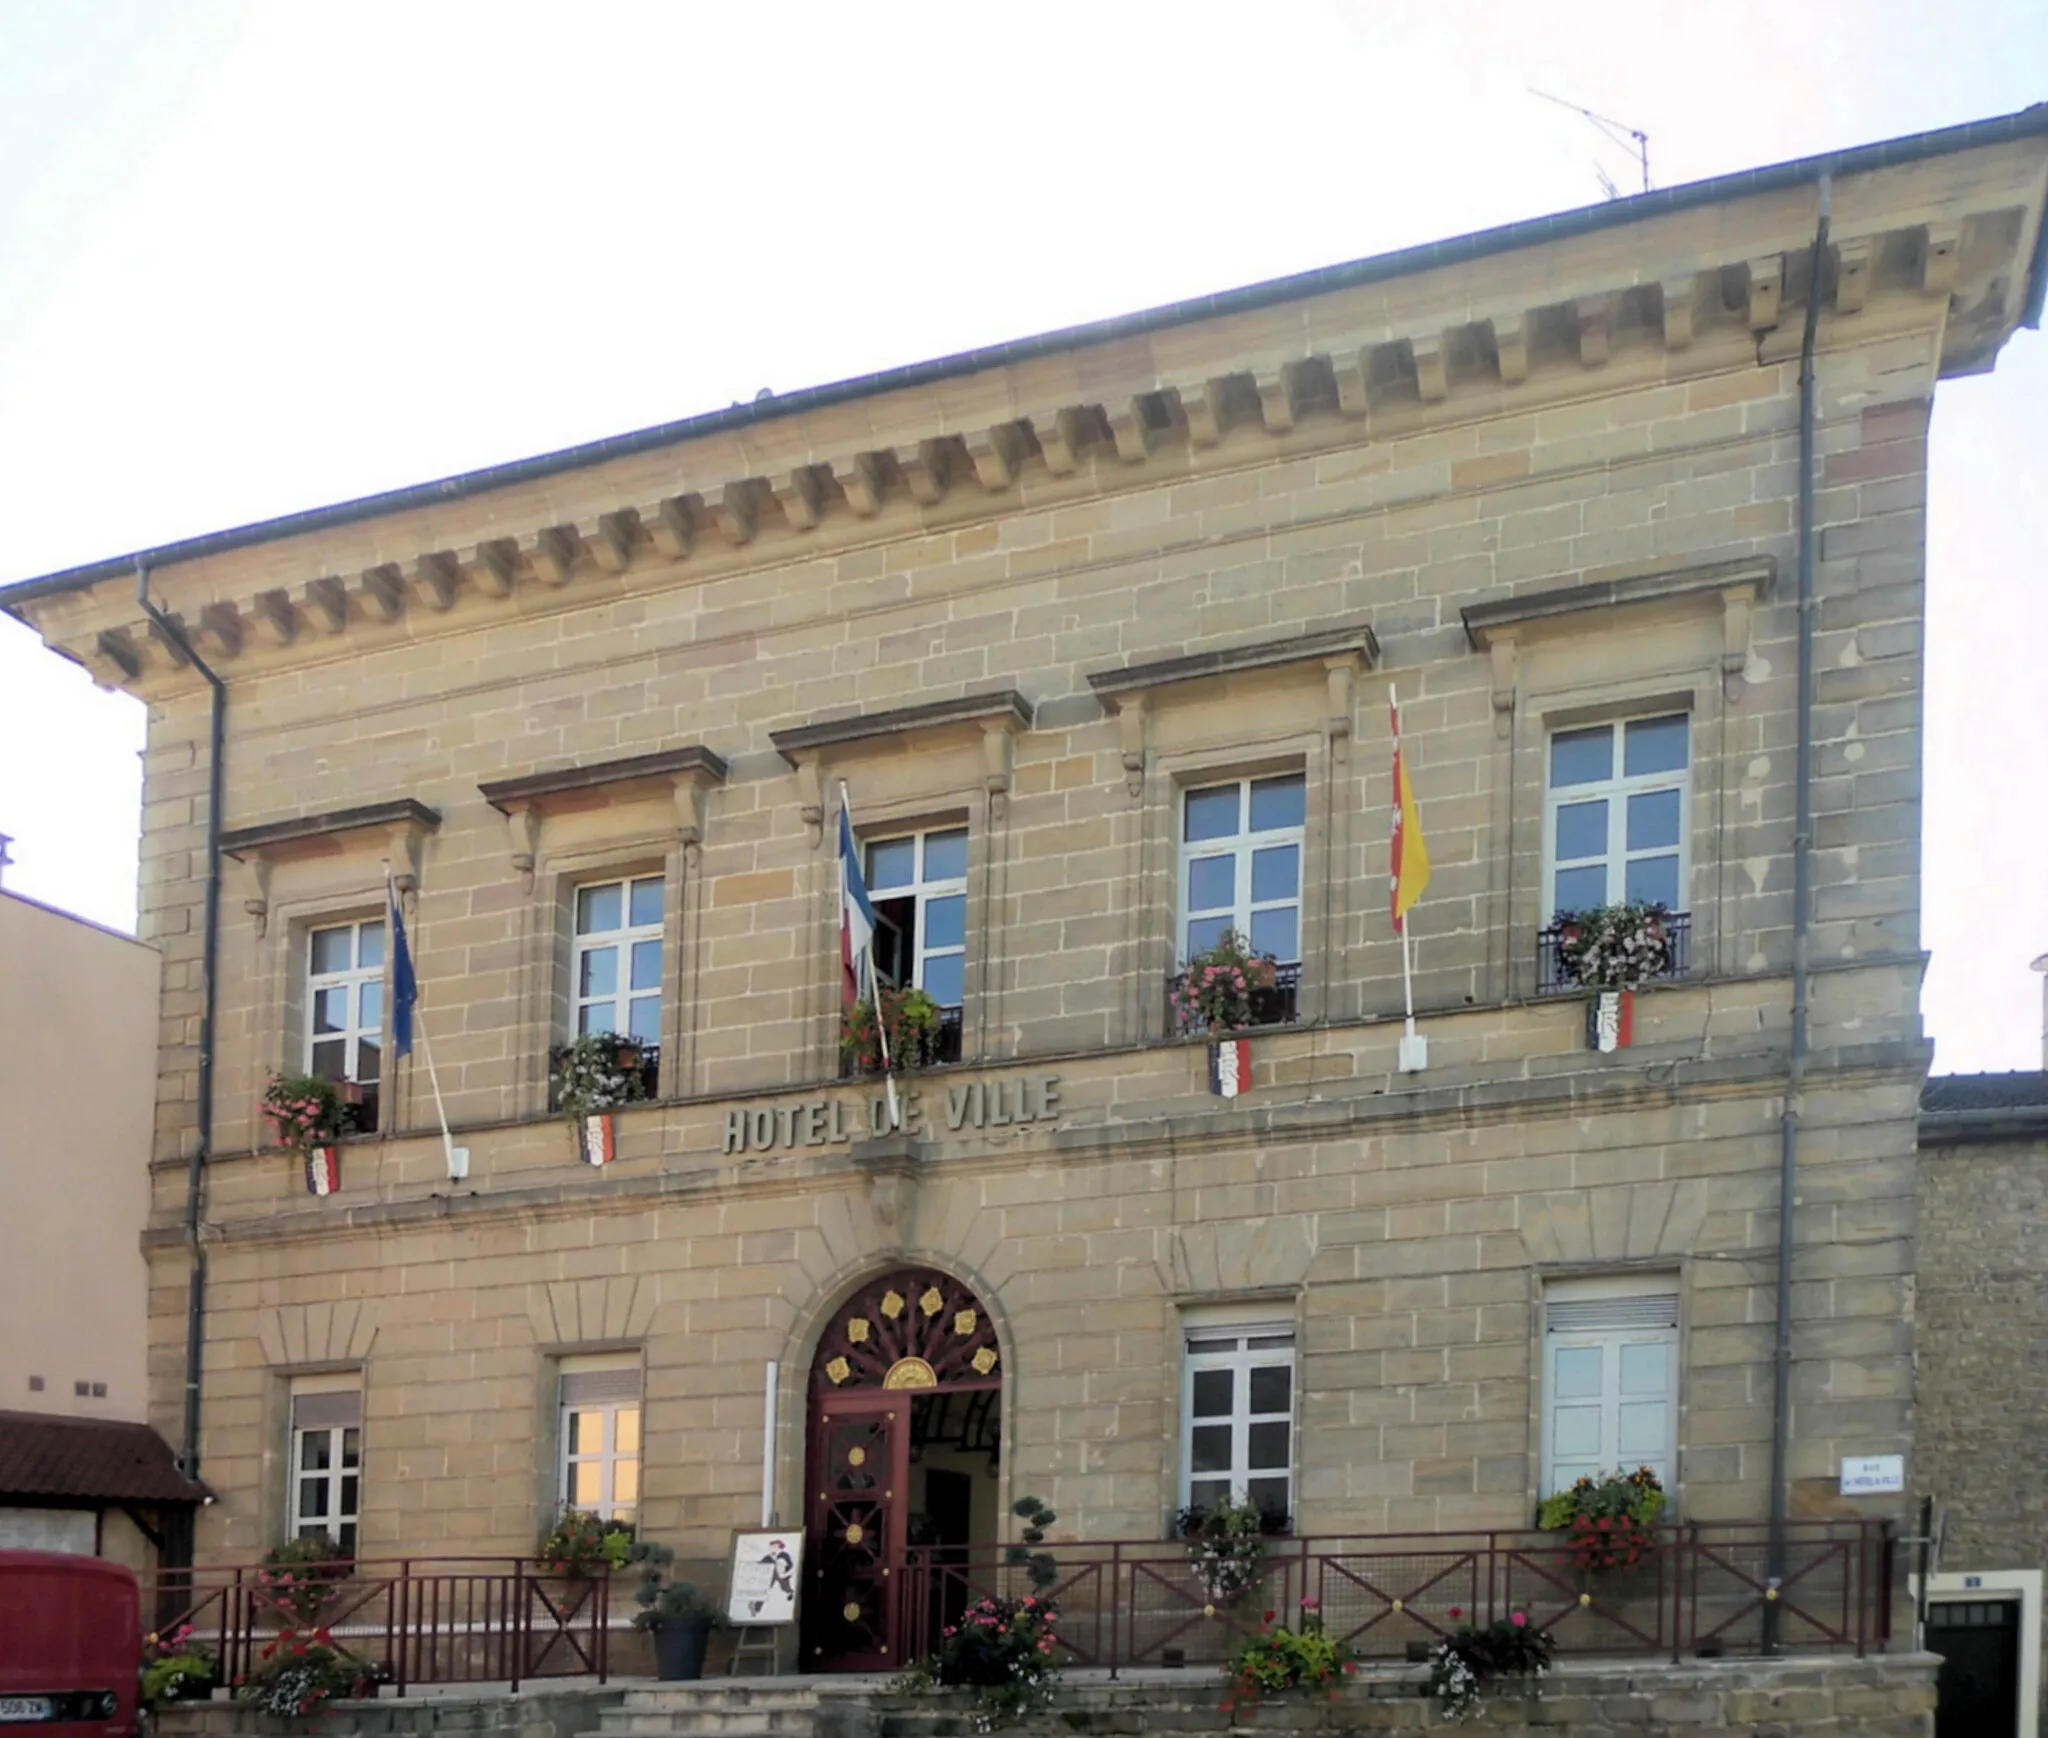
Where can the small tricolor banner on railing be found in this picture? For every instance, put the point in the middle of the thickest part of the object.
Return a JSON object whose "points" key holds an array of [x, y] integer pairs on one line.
{"points": [[1611, 1020], [1230, 1067], [323, 1170], [599, 1142]]}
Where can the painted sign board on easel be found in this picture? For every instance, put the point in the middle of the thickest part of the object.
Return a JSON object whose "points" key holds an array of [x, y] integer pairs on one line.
{"points": [[761, 1590]]}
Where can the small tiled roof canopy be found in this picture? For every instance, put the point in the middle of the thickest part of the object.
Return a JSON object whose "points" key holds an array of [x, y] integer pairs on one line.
{"points": [[89, 1460], [2023, 1089]]}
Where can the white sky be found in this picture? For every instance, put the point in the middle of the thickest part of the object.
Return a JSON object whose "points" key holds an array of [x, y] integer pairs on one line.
{"points": [[260, 257]]}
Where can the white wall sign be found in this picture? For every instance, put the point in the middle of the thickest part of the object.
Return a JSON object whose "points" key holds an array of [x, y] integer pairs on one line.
{"points": [[1873, 1475], [764, 1572]]}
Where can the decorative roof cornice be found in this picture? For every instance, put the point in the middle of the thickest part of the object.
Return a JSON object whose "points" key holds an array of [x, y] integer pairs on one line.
{"points": [[1521, 317]]}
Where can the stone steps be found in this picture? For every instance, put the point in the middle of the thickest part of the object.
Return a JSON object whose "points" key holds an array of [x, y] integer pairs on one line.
{"points": [[720, 1709]]}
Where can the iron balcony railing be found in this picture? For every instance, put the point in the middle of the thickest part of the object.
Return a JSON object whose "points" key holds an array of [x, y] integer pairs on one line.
{"points": [[1700, 1590], [649, 1072], [1554, 977], [943, 1048], [412, 1620], [1278, 1006]]}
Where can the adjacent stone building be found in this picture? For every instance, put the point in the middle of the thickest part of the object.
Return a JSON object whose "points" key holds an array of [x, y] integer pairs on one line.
{"points": [[1092, 638]]}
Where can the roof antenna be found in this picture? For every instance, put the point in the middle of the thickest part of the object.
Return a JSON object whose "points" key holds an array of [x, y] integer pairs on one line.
{"points": [[1620, 132]]}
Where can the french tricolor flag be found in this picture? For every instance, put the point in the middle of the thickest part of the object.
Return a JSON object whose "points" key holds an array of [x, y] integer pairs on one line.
{"points": [[856, 912], [323, 1170], [1230, 1067]]}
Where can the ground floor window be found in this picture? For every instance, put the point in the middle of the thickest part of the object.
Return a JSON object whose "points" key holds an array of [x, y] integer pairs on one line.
{"points": [[1237, 1427], [1610, 1378], [327, 1466], [600, 1438]]}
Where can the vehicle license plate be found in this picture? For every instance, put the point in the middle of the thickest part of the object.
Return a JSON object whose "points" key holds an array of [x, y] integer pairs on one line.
{"points": [[16, 1709]]}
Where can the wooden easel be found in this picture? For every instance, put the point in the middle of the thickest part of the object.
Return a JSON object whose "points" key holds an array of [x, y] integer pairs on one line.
{"points": [[755, 1642]]}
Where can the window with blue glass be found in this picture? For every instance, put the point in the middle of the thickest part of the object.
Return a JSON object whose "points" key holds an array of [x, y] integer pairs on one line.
{"points": [[1616, 817], [1240, 866], [617, 966], [918, 885]]}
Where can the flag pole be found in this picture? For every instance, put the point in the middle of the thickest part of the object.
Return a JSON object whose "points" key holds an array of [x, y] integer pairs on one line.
{"points": [[1413, 1051], [874, 994], [458, 1167]]}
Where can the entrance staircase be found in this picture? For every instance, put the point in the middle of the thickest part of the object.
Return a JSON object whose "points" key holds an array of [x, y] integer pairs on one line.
{"points": [[719, 1708]]}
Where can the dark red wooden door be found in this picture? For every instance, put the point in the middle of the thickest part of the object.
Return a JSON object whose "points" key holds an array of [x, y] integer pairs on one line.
{"points": [[858, 1503]]}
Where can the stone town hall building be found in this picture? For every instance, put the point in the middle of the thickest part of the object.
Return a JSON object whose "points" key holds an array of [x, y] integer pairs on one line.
{"points": [[1096, 632]]}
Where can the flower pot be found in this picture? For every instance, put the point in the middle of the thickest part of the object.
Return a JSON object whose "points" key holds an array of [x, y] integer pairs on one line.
{"points": [[679, 1650]]}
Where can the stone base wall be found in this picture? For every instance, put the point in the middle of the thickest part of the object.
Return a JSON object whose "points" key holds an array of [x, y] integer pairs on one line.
{"points": [[1891, 1697], [540, 1712]]}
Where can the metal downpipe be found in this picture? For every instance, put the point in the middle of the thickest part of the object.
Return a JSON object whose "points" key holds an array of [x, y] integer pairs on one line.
{"points": [[1802, 900], [202, 1150]]}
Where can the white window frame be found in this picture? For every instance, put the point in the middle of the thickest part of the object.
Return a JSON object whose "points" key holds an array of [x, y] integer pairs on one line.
{"points": [[623, 996], [335, 1415], [1242, 846], [1615, 791], [608, 1391], [1240, 1347], [922, 891], [353, 980], [1617, 1311]]}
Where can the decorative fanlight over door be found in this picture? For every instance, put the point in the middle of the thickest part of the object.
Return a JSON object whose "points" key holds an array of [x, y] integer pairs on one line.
{"points": [[915, 1329]]}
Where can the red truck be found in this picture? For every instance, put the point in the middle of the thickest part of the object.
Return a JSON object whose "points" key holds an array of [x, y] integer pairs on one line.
{"points": [[70, 1646]]}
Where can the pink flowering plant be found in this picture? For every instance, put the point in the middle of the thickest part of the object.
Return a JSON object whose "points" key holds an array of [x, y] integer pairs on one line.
{"points": [[1006, 1651], [304, 1110], [1215, 993], [1461, 1667], [300, 1580], [1278, 1659]]}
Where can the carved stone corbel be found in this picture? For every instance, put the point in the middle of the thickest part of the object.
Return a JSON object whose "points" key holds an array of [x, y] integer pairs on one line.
{"points": [[998, 748], [1130, 719], [522, 829], [257, 904], [407, 836], [1735, 612], [690, 788], [810, 784], [1342, 676], [1502, 652]]}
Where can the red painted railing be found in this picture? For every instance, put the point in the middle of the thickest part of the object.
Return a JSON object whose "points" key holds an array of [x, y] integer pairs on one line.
{"points": [[449, 1620], [1702, 1588]]}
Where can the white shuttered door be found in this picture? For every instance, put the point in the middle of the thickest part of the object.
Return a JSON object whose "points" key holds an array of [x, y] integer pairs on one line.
{"points": [[1610, 1381]]}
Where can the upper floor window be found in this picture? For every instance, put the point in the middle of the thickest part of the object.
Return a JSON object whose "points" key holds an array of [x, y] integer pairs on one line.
{"points": [[600, 1437], [326, 1469], [617, 962], [918, 886], [345, 1009], [1240, 874], [1237, 1428], [1615, 822]]}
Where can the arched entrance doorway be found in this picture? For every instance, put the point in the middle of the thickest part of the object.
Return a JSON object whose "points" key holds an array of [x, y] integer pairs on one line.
{"points": [[906, 1428]]}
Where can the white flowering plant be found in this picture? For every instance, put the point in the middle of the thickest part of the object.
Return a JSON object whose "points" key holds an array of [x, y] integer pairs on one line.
{"points": [[598, 1072], [1615, 947], [1462, 1665]]}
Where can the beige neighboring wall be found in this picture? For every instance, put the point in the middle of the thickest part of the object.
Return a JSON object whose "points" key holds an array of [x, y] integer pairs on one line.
{"points": [[77, 1097]]}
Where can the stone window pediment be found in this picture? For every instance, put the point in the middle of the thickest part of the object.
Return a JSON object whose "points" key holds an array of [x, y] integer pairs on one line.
{"points": [[677, 775], [394, 830], [996, 717], [1498, 625]]}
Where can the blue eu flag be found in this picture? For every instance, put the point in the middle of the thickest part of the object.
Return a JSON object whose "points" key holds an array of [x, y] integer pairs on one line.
{"points": [[404, 989]]}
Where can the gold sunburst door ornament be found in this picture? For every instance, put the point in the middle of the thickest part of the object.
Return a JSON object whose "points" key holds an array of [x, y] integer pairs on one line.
{"points": [[839, 1369], [911, 1373], [892, 1304], [984, 1360]]}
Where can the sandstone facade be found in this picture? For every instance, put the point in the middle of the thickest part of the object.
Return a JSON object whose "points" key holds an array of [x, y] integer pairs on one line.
{"points": [[1532, 485]]}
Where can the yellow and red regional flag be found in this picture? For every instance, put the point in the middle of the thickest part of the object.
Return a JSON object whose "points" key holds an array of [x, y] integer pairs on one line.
{"points": [[1410, 861]]}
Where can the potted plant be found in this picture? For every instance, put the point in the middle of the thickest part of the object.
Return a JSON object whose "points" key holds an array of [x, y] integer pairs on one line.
{"points": [[301, 1579], [1462, 1666], [1609, 1523], [581, 1545], [909, 1018], [299, 1673], [306, 1114], [177, 1668], [1279, 1659], [1225, 1543], [1005, 1650], [674, 1612], [1215, 993], [592, 1079], [1614, 947]]}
